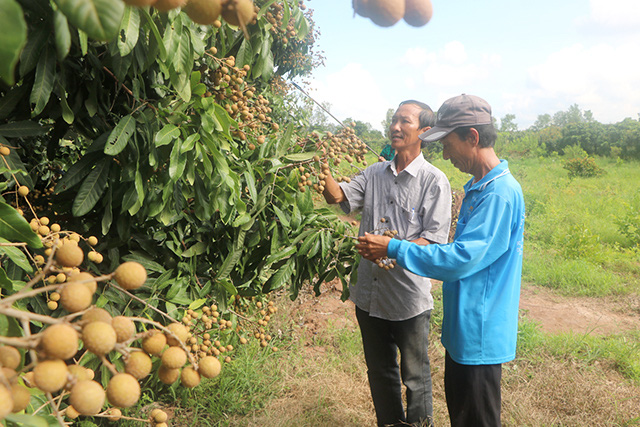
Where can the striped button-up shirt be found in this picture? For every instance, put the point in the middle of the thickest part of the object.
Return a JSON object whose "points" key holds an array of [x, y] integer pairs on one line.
{"points": [[416, 203]]}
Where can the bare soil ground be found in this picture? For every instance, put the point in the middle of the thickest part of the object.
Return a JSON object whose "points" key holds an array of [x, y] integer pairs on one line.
{"points": [[547, 392]]}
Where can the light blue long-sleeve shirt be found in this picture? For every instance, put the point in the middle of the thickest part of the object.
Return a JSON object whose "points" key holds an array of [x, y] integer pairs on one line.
{"points": [[480, 270]]}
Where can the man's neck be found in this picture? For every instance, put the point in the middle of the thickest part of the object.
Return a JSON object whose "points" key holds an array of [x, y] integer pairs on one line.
{"points": [[404, 158], [486, 161]]}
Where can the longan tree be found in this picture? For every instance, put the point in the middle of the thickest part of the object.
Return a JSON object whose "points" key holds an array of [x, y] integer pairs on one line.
{"points": [[165, 138], [174, 143]]}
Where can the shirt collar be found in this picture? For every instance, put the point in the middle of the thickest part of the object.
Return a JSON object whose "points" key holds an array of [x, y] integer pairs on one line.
{"points": [[413, 168], [499, 171]]}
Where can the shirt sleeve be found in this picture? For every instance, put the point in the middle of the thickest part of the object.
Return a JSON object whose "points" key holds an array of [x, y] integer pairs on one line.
{"points": [[484, 239], [354, 192], [436, 212]]}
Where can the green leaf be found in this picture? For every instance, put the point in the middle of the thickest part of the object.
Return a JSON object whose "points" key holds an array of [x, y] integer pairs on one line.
{"points": [[139, 187], [16, 255], [67, 112], [91, 189], [177, 162], [37, 39], [304, 250], [300, 157], [242, 219], [107, 218], [284, 218], [245, 54], [302, 27], [154, 30], [77, 172], [28, 420], [197, 249], [280, 255], [251, 182], [264, 64], [189, 143], [63, 35], [232, 259], [11, 98], [167, 134], [280, 277], [184, 56], [197, 303], [12, 38], [14, 227], [296, 218], [22, 129], [120, 135], [7, 285], [83, 39], [100, 19], [43, 84], [129, 30]]}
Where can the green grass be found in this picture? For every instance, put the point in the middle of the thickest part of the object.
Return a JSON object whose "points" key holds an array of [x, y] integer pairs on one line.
{"points": [[244, 385], [572, 240], [621, 351]]}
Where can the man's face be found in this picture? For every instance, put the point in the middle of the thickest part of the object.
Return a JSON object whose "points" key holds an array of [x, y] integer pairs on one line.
{"points": [[458, 151], [405, 127]]}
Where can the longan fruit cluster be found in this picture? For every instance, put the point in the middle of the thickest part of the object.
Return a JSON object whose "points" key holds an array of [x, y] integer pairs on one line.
{"points": [[275, 16], [97, 332], [343, 146], [211, 334], [386, 263], [227, 85]]}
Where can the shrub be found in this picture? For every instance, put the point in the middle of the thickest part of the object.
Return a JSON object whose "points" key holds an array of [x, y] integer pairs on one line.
{"points": [[584, 167]]}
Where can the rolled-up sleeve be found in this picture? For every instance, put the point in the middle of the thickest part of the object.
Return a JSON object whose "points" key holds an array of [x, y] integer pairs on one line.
{"points": [[436, 212], [354, 192]]}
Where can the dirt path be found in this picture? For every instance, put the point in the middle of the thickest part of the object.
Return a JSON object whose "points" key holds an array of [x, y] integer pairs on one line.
{"points": [[553, 312], [581, 315]]}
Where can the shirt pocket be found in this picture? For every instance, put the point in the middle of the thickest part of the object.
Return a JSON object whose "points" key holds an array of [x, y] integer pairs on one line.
{"points": [[412, 223]]}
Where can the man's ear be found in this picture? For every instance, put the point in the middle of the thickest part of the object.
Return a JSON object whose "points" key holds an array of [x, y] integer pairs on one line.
{"points": [[473, 136]]}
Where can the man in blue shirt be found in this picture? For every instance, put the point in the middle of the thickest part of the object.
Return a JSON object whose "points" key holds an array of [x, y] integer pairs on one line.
{"points": [[480, 270]]}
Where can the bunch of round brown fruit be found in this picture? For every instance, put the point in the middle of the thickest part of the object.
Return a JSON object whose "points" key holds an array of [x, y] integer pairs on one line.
{"points": [[275, 16], [386, 13], [386, 263], [227, 84], [333, 149], [210, 333], [48, 359], [206, 12]]}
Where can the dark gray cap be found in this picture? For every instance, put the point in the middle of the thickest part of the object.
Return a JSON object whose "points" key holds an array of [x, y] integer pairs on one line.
{"points": [[462, 110]]}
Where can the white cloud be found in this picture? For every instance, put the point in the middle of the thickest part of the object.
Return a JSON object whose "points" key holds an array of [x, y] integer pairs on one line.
{"points": [[352, 92], [600, 78], [612, 15], [451, 65]]}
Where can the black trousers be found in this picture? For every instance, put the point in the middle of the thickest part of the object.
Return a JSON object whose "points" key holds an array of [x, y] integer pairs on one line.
{"points": [[381, 340], [473, 393]]}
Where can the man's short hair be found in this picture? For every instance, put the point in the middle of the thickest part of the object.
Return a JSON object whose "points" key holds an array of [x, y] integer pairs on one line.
{"points": [[487, 134], [427, 116]]}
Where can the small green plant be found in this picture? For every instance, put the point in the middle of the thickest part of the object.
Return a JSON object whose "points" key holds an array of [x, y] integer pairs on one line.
{"points": [[585, 167]]}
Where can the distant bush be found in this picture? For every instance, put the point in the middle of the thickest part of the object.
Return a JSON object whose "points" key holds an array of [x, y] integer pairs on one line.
{"points": [[584, 167], [629, 222]]}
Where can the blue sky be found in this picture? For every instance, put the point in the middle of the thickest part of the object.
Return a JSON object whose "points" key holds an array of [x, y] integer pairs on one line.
{"points": [[525, 58]]}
